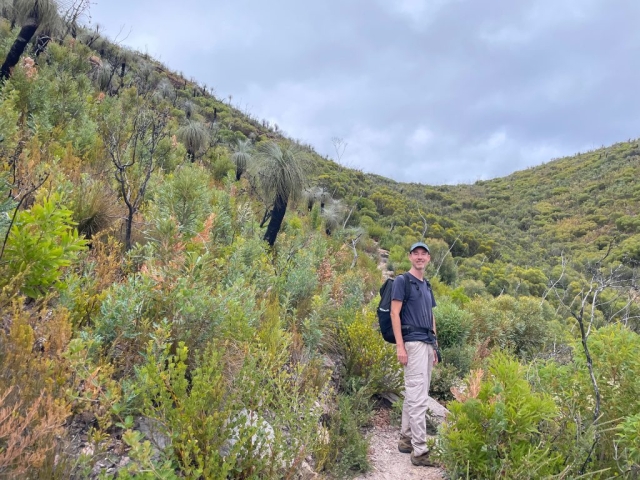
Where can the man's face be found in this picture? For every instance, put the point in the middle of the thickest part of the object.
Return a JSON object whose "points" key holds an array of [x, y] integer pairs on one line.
{"points": [[419, 258]]}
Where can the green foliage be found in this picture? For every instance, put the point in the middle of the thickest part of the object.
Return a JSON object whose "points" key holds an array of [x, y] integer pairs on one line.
{"points": [[520, 325], [453, 323], [345, 450], [502, 429], [185, 196], [370, 362], [615, 352], [628, 444], [7, 205], [221, 167], [41, 243], [258, 421]]}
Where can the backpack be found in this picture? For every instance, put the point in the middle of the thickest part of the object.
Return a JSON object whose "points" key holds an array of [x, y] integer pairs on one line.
{"points": [[384, 309]]}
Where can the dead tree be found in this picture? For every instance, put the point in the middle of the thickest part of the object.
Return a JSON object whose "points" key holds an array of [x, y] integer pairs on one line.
{"points": [[132, 148]]}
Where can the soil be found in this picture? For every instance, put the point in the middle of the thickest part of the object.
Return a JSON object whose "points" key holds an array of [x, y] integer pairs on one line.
{"points": [[387, 463]]}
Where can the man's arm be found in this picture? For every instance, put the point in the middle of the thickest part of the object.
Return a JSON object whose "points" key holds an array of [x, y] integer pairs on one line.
{"points": [[396, 306]]}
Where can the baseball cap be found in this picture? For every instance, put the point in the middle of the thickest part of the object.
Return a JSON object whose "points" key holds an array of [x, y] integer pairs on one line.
{"points": [[418, 245]]}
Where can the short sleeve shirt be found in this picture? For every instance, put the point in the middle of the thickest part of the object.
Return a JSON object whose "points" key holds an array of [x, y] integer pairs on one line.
{"points": [[418, 309]]}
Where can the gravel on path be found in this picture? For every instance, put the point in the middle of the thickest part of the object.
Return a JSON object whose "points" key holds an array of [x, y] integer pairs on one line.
{"points": [[387, 463]]}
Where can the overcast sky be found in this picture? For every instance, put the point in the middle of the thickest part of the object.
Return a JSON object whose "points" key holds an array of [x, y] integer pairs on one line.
{"points": [[429, 91]]}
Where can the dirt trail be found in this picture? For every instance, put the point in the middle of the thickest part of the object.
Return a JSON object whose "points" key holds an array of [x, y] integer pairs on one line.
{"points": [[387, 463]]}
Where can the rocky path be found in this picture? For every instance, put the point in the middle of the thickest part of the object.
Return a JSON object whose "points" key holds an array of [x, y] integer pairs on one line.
{"points": [[387, 463]]}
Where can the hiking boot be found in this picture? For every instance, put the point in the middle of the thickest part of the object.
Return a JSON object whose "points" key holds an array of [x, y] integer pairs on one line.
{"points": [[422, 460], [404, 444]]}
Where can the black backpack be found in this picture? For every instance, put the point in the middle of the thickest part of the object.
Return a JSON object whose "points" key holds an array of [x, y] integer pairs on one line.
{"points": [[384, 309]]}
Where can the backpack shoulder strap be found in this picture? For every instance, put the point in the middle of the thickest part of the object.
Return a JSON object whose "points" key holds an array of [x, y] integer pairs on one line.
{"points": [[407, 288]]}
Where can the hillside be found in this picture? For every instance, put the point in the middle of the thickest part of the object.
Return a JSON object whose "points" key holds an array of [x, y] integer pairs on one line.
{"points": [[185, 292]]}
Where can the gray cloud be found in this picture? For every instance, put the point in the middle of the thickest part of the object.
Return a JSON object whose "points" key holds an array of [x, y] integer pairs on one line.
{"points": [[430, 91]]}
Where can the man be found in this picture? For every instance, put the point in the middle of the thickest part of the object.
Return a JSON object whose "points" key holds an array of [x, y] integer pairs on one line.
{"points": [[415, 335]]}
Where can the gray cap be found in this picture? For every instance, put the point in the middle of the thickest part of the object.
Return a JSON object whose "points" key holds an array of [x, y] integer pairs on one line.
{"points": [[418, 245]]}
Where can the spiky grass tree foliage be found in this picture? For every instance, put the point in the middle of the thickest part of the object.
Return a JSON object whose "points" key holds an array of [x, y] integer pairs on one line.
{"points": [[189, 108], [32, 16], [165, 90], [241, 156], [102, 75], [333, 214], [194, 136], [94, 207], [280, 172], [316, 194]]}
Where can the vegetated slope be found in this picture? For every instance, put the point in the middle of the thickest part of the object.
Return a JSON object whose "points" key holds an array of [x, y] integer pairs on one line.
{"points": [[579, 205], [201, 327]]}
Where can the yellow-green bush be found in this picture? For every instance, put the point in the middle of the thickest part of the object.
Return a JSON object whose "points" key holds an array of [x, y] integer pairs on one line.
{"points": [[41, 243], [369, 361], [500, 428]]}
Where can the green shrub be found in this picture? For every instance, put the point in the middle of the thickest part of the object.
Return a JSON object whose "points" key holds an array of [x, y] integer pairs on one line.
{"points": [[345, 450], [615, 352], [185, 195], [628, 444], [224, 420], [501, 429], [520, 325], [41, 243], [453, 324], [443, 377], [222, 167], [370, 362]]}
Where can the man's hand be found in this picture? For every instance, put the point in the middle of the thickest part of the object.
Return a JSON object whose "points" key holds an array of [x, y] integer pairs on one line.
{"points": [[402, 354], [435, 356]]}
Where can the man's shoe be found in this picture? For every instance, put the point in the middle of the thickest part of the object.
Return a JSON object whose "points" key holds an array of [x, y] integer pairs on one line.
{"points": [[422, 460], [404, 445]]}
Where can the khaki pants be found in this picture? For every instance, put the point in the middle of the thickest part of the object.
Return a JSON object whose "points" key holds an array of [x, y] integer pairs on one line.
{"points": [[417, 377]]}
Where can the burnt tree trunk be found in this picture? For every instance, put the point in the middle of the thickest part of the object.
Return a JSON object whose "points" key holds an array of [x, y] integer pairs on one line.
{"points": [[277, 215], [17, 49], [41, 44], [128, 228]]}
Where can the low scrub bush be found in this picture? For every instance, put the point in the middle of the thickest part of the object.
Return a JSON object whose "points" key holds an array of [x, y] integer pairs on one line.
{"points": [[343, 449], [369, 361], [519, 325], [615, 352], [499, 428], [239, 413], [41, 243]]}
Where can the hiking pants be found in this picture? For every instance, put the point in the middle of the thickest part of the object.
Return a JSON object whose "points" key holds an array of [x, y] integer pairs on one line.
{"points": [[417, 377]]}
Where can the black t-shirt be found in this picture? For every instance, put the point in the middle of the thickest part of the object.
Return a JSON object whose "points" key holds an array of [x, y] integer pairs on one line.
{"points": [[418, 310]]}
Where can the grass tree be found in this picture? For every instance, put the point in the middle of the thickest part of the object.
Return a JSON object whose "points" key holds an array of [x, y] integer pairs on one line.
{"points": [[333, 214], [194, 136], [241, 156], [32, 15], [280, 173]]}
